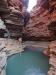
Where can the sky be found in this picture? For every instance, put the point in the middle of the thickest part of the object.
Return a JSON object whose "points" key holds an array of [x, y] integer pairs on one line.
{"points": [[32, 3]]}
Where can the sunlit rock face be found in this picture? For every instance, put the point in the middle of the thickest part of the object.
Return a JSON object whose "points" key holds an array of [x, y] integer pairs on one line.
{"points": [[38, 23], [52, 61]]}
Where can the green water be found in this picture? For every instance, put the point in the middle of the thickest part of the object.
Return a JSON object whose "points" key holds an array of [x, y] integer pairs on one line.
{"points": [[27, 63]]}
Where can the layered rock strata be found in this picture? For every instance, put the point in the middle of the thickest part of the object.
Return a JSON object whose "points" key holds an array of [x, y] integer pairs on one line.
{"points": [[42, 23], [38, 23], [51, 52], [8, 47], [13, 22]]}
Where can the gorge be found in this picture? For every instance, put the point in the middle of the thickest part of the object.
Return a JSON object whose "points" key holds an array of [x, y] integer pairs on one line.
{"points": [[39, 32]]}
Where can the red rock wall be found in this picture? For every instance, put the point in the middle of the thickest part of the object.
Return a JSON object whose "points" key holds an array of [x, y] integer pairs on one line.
{"points": [[51, 52], [42, 22], [38, 23]]}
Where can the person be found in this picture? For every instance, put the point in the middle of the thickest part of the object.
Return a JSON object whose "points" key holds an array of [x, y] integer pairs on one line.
{"points": [[20, 39]]}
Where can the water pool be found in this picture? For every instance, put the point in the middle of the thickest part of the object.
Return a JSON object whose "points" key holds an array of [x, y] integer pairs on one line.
{"points": [[27, 63]]}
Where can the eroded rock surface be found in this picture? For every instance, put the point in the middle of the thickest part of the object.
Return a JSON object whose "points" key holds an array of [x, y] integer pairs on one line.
{"points": [[38, 24], [13, 22], [52, 61], [42, 22], [10, 46]]}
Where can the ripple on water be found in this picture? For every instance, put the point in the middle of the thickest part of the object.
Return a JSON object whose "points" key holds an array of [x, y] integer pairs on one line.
{"points": [[33, 71]]}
